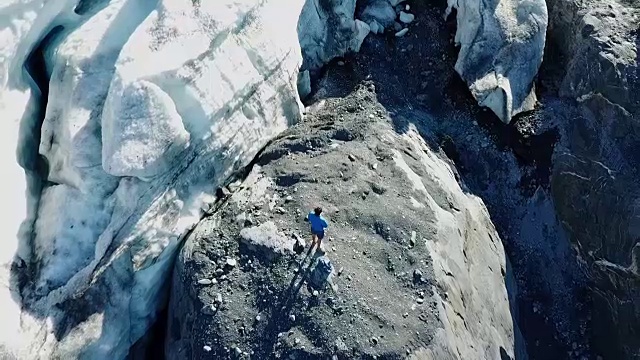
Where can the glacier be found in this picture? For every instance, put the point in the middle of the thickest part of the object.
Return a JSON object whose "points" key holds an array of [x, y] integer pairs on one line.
{"points": [[149, 107]]}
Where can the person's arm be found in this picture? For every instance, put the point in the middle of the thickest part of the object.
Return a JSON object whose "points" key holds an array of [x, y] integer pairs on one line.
{"points": [[325, 224]]}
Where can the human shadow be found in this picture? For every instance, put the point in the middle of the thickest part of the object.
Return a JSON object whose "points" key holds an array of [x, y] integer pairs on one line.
{"points": [[281, 305]]}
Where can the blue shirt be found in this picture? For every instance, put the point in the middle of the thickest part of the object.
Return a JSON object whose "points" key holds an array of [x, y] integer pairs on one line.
{"points": [[318, 223]]}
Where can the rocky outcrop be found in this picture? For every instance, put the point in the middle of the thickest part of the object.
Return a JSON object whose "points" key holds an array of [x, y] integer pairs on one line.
{"points": [[594, 181], [501, 48], [412, 264], [600, 41]]}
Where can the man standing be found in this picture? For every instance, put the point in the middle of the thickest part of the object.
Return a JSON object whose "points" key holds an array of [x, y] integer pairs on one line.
{"points": [[318, 224]]}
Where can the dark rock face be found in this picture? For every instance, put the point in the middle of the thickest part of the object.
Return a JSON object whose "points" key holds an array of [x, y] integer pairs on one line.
{"points": [[595, 177]]}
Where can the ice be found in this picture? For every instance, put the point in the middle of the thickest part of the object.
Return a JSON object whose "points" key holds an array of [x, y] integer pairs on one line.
{"points": [[150, 106], [143, 132]]}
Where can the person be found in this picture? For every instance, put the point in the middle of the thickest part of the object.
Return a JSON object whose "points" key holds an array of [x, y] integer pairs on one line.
{"points": [[318, 225]]}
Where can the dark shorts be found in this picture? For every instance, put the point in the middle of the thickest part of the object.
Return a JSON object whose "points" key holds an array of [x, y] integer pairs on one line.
{"points": [[319, 234]]}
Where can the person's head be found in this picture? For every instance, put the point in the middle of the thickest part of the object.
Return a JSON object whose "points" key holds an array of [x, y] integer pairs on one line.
{"points": [[317, 211]]}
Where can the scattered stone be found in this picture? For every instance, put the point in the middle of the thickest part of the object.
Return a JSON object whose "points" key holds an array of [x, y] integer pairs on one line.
{"points": [[351, 157], [297, 341], [375, 27], [238, 351], [341, 63], [315, 293], [204, 282], [258, 318], [231, 262], [406, 18], [374, 340], [374, 166], [280, 210], [402, 32], [417, 275], [209, 309], [292, 318], [288, 199], [206, 348], [412, 241], [299, 245], [218, 298], [420, 300]]}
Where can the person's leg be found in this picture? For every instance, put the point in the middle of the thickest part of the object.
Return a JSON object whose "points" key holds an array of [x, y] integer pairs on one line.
{"points": [[320, 237], [314, 238]]}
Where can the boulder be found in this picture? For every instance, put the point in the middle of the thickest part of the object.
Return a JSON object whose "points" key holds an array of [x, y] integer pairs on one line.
{"points": [[151, 106], [266, 240], [501, 49]]}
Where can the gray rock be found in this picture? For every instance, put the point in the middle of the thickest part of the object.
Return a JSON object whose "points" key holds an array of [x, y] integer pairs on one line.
{"points": [[499, 57], [209, 309], [266, 240], [402, 32], [406, 18], [375, 27]]}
